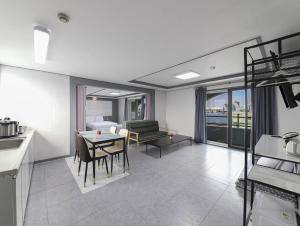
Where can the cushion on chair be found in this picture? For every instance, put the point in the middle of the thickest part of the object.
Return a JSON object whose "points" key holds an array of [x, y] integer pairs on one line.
{"points": [[98, 154], [115, 148]]}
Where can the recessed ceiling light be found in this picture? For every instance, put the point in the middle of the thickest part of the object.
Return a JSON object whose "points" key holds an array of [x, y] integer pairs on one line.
{"points": [[41, 40], [187, 75], [114, 93], [64, 18]]}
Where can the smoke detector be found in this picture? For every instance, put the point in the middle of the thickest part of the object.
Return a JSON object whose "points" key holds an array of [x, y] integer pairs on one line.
{"points": [[64, 18], [212, 67]]}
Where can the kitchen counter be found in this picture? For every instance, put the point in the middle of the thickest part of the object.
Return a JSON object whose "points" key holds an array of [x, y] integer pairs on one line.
{"points": [[11, 159]]}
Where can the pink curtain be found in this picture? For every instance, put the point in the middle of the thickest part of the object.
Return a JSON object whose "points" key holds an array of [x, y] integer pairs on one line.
{"points": [[80, 106]]}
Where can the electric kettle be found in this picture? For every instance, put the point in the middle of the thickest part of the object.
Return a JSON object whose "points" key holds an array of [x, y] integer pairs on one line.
{"points": [[293, 147]]}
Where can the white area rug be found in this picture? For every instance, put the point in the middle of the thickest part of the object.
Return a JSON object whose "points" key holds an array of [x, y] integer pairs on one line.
{"points": [[102, 178]]}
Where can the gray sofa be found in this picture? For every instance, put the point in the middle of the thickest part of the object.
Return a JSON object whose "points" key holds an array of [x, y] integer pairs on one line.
{"points": [[144, 130]]}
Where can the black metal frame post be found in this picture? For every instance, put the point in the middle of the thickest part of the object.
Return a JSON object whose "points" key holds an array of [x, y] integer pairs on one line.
{"points": [[245, 142], [257, 77]]}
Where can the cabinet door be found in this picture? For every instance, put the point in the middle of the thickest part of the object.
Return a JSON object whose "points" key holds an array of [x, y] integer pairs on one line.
{"points": [[19, 205]]}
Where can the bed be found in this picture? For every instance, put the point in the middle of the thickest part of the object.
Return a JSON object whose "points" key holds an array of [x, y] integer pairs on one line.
{"points": [[96, 122]]}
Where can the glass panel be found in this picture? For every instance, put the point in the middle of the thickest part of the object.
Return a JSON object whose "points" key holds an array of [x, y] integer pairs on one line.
{"points": [[217, 117], [238, 110]]}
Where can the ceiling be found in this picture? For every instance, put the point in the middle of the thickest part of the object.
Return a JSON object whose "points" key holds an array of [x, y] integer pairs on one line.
{"points": [[224, 63], [104, 92], [120, 41]]}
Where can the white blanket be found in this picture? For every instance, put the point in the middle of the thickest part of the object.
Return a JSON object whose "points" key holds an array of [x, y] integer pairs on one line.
{"points": [[101, 125]]}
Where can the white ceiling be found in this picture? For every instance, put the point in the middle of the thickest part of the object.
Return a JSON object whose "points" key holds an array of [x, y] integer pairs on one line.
{"points": [[98, 91], [226, 62], [119, 41]]}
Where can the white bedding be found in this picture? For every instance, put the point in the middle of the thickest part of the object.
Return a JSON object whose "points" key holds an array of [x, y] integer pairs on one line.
{"points": [[101, 125]]}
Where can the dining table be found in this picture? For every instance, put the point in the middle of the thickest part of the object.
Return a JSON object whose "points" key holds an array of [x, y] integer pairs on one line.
{"points": [[95, 138]]}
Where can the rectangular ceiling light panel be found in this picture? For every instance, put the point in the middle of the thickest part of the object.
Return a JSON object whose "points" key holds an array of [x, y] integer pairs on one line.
{"points": [[188, 75], [41, 41]]}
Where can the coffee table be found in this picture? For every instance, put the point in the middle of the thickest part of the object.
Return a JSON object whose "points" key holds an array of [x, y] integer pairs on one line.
{"points": [[167, 141]]}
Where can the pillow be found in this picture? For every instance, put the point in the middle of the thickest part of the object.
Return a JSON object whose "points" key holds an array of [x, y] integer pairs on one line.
{"points": [[90, 118], [99, 118]]}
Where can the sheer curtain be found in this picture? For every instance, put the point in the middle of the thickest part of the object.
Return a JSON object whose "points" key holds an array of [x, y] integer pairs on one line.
{"points": [[200, 119], [80, 105]]}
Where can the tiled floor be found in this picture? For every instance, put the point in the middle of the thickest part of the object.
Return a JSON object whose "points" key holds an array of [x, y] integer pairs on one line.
{"points": [[189, 185]]}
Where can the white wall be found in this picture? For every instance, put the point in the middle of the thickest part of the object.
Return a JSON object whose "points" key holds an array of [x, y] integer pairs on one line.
{"points": [[288, 119], [160, 108], [42, 101], [180, 111], [98, 107]]}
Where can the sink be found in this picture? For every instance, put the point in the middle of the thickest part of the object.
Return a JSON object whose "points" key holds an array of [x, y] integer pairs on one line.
{"points": [[10, 144]]}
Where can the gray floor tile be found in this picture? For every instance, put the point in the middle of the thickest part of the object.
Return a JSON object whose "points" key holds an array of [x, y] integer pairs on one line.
{"points": [[189, 185], [68, 212]]}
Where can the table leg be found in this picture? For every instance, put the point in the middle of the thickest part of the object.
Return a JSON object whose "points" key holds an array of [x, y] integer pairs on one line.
{"points": [[94, 170], [159, 152], [146, 147], [124, 153]]}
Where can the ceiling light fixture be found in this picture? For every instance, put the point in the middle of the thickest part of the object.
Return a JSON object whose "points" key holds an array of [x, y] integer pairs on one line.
{"points": [[64, 18], [115, 93], [41, 40], [188, 75]]}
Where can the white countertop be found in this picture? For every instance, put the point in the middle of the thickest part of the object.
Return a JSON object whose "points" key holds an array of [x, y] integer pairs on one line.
{"points": [[11, 159]]}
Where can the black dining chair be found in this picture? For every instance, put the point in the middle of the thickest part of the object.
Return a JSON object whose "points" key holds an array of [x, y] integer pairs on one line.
{"points": [[86, 156]]}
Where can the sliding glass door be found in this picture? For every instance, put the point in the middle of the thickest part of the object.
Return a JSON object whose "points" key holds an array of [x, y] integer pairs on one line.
{"points": [[225, 117], [238, 113], [217, 117]]}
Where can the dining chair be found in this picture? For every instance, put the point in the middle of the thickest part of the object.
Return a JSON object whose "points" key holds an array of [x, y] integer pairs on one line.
{"points": [[86, 156], [76, 146], [113, 129], [117, 148]]}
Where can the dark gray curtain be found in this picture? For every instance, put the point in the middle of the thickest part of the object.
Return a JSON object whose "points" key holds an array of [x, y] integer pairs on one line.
{"points": [[200, 111], [143, 107], [265, 113], [125, 118]]}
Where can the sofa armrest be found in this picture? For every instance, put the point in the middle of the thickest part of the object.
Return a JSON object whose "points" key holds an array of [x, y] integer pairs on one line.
{"points": [[133, 136]]}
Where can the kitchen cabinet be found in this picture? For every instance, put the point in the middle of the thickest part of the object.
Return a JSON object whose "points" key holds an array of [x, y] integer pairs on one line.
{"points": [[14, 186]]}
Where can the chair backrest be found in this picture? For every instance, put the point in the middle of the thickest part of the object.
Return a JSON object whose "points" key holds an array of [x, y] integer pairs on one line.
{"points": [[83, 149], [113, 130], [124, 133]]}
